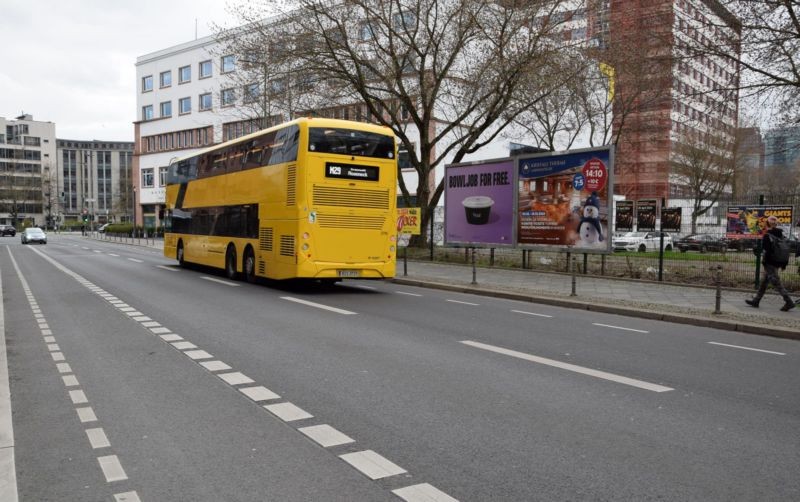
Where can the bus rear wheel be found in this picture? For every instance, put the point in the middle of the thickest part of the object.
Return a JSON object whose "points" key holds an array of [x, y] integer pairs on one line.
{"points": [[230, 263], [249, 265]]}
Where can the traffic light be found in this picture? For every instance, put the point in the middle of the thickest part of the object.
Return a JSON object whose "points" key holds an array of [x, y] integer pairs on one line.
{"points": [[85, 218]]}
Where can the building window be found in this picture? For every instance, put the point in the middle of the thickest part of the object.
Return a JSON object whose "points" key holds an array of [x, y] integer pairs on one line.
{"points": [[166, 109], [184, 105], [205, 101], [147, 83], [147, 178], [162, 176], [251, 93], [147, 112], [227, 64], [165, 78], [227, 97], [184, 74], [205, 69]]}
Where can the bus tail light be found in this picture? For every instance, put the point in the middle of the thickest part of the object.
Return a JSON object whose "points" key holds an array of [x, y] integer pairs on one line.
{"points": [[391, 248], [392, 238], [305, 235], [305, 246]]}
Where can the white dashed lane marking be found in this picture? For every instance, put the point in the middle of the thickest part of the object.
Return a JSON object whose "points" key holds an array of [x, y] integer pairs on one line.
{"points": [[220, 281], [317, 305], [748, 348], [531, 313], [112, 469], [135, 260], [372, 465], [464, 303], [288, 412], [259, 393], [98, 438], [171, 269], [570, 367], [423, 493], [619, 327], [326, 436], [407, 293]]}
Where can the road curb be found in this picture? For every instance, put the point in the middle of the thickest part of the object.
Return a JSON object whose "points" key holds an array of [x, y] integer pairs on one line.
{"points": [[693, 320]]}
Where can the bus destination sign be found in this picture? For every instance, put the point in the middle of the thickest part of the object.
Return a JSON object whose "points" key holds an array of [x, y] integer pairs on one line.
{"points": [[351, 172]]}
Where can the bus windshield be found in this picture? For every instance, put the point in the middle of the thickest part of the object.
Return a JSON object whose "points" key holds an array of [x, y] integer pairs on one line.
{"points": [[350, 142]]}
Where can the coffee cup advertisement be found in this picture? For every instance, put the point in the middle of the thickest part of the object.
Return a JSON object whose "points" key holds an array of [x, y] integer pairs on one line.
{"points": [[479, 203]]}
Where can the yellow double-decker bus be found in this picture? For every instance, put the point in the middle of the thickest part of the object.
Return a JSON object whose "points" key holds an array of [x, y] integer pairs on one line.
{"points": [[312, 198]]}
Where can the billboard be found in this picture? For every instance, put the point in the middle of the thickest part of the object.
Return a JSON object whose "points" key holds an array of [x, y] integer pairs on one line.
{"points": [[646, 215], [564, 200], [623, 216], [671, 219], [479, 202], [409, 220], [750, 222]]}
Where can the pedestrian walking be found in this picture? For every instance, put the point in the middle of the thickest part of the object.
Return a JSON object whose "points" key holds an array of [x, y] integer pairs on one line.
{"points": [[776, 257]]}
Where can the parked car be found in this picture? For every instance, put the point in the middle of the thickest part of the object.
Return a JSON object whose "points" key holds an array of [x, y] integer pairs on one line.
{"points": [[7, 230], [641, 241], [702, 243], [34, 234]]}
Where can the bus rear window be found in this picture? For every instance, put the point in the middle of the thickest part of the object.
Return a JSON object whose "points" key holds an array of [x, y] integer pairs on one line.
{"points": [[350, 142]]}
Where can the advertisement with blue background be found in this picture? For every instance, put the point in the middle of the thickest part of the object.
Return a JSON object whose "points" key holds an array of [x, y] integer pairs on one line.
{"points": [[479, 203], [564, 200]]}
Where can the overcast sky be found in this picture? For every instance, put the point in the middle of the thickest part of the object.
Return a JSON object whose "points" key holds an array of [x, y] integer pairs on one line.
{"points": [[72, 62]]}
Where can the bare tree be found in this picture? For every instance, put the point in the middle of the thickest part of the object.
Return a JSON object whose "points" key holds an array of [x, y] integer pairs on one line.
{"points": [[703, 167], [445, 75]]}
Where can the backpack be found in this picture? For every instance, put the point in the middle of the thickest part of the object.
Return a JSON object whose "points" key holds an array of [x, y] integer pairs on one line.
{"points": [[780, 250]]}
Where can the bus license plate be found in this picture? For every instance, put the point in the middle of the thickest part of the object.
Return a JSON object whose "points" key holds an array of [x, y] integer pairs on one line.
{"points": [[348, 273]]}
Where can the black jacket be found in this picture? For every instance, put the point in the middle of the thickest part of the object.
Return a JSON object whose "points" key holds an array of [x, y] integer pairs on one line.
{"points": [[767, 245]]}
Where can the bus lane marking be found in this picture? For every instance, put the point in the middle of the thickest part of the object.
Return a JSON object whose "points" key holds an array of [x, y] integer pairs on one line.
{"points": [[317, 305], [570, 367], [748, 348]]}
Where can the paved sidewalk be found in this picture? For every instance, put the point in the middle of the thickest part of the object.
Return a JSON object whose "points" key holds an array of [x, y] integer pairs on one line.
{"points": [[683, 304], [680, 304]]}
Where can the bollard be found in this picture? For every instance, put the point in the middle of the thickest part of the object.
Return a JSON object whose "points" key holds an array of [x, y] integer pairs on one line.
{"points": [[718, 281], [474, 281], [574, 266]]}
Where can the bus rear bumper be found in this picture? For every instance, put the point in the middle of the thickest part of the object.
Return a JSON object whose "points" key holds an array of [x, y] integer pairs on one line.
{"points": [[383, 270]]}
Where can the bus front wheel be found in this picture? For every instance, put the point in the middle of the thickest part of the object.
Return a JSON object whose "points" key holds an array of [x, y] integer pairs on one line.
{"points": [[230, 263], [249, 265]]}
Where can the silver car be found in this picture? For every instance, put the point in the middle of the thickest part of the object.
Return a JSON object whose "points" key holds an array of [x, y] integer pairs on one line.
{"points": [[33, 234]]}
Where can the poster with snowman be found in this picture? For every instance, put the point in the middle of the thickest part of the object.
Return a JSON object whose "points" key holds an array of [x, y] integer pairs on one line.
{"points": [[564, 200]]}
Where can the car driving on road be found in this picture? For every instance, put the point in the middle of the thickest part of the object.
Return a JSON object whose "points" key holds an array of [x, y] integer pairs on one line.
{"points": [[33, 234]]}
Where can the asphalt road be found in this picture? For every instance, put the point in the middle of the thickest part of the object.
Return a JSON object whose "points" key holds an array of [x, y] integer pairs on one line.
{"points": [[372, 391]]}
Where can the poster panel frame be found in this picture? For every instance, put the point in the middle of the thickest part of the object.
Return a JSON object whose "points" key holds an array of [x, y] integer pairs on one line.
{"points": [[649, 205], [448, 219], [606, 151]]}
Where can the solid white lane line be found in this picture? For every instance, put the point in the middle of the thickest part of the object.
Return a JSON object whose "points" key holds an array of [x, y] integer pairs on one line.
{"points": [[749, 348], [406, 293], [570, 367], [372, 465], [464, 303], [98, 438], [619, 327], [317, 305], [86, 415], [259, 393], [135, 260], [326, 435], [171, 269], [531, 313], [112, 469], [215, 366], [288, 412], [220, 281], [235, 378], [423, 493]]}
